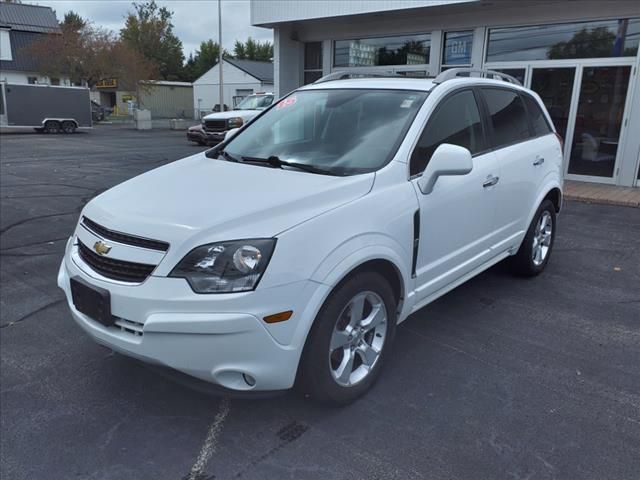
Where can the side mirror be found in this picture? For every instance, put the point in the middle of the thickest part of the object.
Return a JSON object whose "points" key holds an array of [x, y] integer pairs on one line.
{"points": [[446, 160], [230, 133]]}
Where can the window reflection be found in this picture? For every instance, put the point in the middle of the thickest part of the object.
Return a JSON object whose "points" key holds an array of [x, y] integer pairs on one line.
{"points": [[606, 38], [400, 50]]}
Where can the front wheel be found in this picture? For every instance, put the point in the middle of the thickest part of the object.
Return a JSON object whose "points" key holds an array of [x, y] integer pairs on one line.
{"points": [[349, 340], [536, 247]]}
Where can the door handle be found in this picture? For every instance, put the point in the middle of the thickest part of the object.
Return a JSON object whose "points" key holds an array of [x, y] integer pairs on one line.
{"points": [[539, 161], [490, 181]]}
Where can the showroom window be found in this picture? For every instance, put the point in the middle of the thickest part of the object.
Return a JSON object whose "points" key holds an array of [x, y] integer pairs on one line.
{"points": [[604, 38], [312, 62], [456, 51], [368, 52]]}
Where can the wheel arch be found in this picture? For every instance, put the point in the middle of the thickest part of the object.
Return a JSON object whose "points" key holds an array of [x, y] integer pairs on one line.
{"points": [[555, 195], [552, 190], [60, 121], [384, 267]]}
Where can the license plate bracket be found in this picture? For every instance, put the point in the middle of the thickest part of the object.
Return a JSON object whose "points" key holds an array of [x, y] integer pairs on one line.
{"points": [[94, 302]]}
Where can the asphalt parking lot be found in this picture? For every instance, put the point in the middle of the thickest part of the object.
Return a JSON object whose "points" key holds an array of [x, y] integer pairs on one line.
{"points": [[502, 378]]}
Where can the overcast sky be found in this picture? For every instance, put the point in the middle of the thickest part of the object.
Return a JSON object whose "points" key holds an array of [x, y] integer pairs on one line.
{"points": [[193, 20]]}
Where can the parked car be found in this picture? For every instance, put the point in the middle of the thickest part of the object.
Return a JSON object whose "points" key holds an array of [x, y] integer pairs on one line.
{"points": [[216, 125], [99, 112], [289, 253]]}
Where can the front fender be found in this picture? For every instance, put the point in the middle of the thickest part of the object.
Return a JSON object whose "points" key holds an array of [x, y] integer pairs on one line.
{"points": [[358, 250]]}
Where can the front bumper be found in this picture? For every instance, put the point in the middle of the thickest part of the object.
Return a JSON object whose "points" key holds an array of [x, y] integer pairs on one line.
{"points": [[195, 136], [217, 338], [213, 138]]}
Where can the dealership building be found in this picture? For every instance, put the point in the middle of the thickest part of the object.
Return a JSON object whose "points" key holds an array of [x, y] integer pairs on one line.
{"points": [[581, 57]]}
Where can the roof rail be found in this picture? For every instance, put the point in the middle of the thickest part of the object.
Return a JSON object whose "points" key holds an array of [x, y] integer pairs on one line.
{"points": [[456, 72], [361, 74]]}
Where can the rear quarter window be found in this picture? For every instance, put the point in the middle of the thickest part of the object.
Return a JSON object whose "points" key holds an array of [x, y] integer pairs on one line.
{"points": [[508, 116], [536, 115]]}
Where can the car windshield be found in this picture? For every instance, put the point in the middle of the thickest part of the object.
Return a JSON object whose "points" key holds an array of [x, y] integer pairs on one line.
{"points": [[255, 102], [343, 131]]}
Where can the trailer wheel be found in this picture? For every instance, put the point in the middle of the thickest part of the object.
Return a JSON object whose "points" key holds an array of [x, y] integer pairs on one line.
{"points": [[52, 126], [68, 127]]}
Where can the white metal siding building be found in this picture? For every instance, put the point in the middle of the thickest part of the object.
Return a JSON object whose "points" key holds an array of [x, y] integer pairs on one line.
{"points": [[167, 99], [240, 79], [581, 56]]}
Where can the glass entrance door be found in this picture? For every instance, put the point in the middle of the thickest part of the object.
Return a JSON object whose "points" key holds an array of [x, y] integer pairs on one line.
{"points": [[555, 87], [598, 123]]}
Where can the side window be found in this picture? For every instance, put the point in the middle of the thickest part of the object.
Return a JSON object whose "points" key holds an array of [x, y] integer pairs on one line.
{"points": [[457, 121], [508, 116], [538, 120]]}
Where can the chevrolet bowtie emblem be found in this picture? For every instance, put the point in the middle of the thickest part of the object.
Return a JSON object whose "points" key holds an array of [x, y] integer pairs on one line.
{"points": [[101, 248]]}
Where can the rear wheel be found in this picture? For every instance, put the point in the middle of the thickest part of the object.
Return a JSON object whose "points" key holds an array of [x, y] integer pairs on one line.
{"points": [[52, 126], [68, 127], [349, 340], [536, 247]]}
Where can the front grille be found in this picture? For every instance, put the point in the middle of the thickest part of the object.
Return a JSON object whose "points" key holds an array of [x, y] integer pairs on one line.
{"points": [[215, 125], [115, 269], [124, 238]]}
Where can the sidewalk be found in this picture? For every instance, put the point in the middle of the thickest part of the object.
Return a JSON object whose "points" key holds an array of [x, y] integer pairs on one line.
{"points": [[599, 193]]}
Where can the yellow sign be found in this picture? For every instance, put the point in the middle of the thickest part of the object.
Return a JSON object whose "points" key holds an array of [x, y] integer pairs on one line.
{"points": [[108, 83]]}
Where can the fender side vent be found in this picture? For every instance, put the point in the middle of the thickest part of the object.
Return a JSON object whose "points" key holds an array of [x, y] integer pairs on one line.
{"points": [[416, 242]]}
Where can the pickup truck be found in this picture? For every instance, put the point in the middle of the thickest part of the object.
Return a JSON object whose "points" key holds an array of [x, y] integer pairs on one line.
{"points": [[215, 126]]}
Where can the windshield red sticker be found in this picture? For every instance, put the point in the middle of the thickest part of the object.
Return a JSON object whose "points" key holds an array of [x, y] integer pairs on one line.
{"points": [[287, 102]]}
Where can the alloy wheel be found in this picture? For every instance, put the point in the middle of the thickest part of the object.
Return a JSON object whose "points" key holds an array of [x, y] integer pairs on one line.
{"points": [[358, 338], [542, 239]]}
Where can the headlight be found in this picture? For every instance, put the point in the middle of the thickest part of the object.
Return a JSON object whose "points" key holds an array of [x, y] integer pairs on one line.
{"points": [[225, 267], [235, 122]]}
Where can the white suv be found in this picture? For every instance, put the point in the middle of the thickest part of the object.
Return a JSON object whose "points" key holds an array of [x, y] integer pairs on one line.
{"points": [[289, 253]]}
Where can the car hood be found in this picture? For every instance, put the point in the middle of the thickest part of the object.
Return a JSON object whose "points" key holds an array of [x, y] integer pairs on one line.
{"points": [[199, 200], [232, 114]]}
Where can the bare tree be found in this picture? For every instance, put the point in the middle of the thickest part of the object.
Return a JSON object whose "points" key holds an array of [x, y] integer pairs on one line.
{"points": [[89, 54]]}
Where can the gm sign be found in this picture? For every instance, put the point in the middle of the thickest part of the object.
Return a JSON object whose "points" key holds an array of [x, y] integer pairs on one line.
{"points": [[457, 48]]}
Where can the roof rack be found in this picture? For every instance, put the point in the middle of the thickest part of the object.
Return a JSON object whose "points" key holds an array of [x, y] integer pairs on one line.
{"points": [[456, 72], [361, 74]]}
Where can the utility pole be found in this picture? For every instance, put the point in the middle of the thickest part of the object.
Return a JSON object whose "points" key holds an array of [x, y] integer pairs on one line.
{"points": [[220, 54]]}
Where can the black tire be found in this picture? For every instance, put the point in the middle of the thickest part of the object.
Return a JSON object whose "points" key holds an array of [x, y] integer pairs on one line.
{"points": [[52, 126], [68, 127], [523, 263], [315, 376]]}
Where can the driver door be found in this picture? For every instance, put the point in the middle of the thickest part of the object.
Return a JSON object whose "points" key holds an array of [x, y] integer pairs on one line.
{"points": [[457, 220]]}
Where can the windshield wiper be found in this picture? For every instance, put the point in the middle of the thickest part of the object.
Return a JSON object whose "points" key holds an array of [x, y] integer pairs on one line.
{"points": [[227, 156], [275, 162]]}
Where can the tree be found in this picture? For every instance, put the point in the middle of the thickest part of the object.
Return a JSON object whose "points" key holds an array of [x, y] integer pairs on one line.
{"points": [[86, 53], [253, 50], [73, 22], [149, 31], [205, 58]]}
